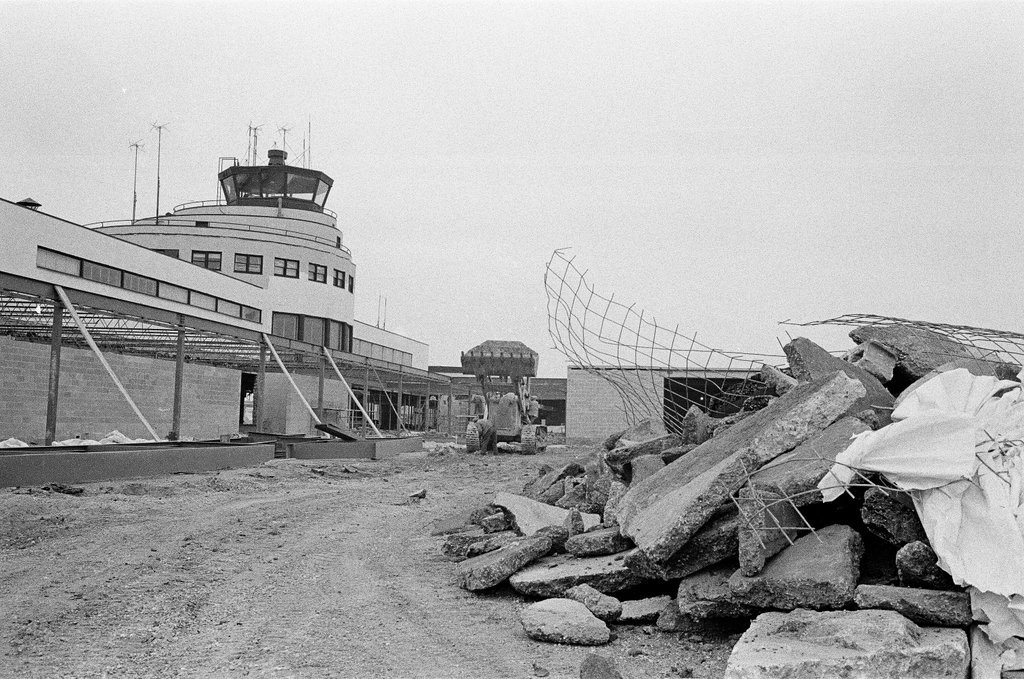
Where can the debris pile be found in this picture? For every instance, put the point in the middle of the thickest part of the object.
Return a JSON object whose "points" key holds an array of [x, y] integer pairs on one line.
{"points": [[864, 520]]}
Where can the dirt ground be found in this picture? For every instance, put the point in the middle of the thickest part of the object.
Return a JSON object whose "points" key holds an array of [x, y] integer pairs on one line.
{"points": [[296, 568]]}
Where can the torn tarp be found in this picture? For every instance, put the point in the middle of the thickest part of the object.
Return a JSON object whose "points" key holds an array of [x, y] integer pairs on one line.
{"points": [[955, 445]]}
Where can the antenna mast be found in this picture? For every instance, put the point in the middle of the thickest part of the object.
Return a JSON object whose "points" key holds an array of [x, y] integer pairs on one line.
{"points": [[284, 130], [135, 178], [159, 138]]}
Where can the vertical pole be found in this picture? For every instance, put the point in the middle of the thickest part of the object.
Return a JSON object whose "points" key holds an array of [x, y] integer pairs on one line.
{"points": [[54, 386], [320, 389], [179, 374], [400, 405], [261, 388], [451, 397], [366, 396]]}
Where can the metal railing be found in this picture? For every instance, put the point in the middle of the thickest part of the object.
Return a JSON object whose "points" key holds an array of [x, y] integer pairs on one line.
{"points": [[221, 203]]}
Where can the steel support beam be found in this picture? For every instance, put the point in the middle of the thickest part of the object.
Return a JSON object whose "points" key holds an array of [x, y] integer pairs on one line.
{"points": [[179, 377], [261, 388], [54, 383]]}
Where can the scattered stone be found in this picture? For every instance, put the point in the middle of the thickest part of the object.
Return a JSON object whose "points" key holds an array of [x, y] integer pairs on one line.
{"points": [[917, 350], [707, 595], [663, 512], [618, 459], [63, 488], [876, 359], [890, 515], [456, 545], [616, 492], [696, 427], [671, 620], [596, 666], [605, 607], [643, 611], [460, 521], [530, 516], [492, 542], [918, 566], [564, 621], [495, 523], [777, 381], [809, 362], [558, 535], [769, 504], [419, 494], [553, 575], [575, 494], [818, 571], [598, 543], [612, 440], [548, 488], [645, 430], [862, 644], [712, 544], [644, 466], [493, 568], [923, 606], [539, 671], [573, 523]]}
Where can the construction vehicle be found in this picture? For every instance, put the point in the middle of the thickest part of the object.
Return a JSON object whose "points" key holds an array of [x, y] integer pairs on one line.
{"points": [[504, 368]]}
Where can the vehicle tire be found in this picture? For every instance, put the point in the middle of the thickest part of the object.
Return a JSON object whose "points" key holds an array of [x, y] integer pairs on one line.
{"points": [[542, 438], [472, 438], [528, 439]]}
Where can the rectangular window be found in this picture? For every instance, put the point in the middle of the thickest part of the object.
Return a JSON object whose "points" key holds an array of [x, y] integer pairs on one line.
{"points": [[317, 273], [313, 330], [206, 259], [101, 274], [229, 308], [202, 301], [202, 225], [289, 268], [251, 314], [55, 261], [168, 252], [286, 325], [173, 293], [147, 286], [248, 264], [339, 279], [351, 283]]}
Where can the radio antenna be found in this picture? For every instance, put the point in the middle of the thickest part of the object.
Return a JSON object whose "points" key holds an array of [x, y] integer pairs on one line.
{"points": [[135, 177], [284, 130], [159, 138]]}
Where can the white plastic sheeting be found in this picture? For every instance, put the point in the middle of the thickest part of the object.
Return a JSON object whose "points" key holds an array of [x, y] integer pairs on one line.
{"points": [[955, 445]]}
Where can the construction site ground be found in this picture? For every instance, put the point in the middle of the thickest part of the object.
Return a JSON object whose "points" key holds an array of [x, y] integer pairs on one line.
{"points": [[296, 568]]}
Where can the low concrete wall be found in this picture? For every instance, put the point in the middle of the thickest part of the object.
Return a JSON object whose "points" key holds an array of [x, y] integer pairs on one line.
{"points": [[390, 447], [33, 469], [370, 449]]}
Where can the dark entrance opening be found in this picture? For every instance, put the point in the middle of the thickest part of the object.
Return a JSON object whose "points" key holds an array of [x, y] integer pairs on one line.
{"points": [[247, 399]]}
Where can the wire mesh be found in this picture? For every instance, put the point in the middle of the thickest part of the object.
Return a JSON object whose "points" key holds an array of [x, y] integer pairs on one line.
{"points": [[657, 371]]}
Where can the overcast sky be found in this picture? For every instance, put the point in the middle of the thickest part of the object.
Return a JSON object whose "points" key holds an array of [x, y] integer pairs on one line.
{"points": [[725, 166]]}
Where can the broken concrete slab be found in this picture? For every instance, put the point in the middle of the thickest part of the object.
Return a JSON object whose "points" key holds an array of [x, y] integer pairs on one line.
{"points": [[645, 430], [564, 621], [809, 362], [530, 515], [769, 504], [672, 454], [460, 521], [642, 611], [876, 359], [492, 542], [616, 491], [645, 466], [456, 545], [619, 458], [890, 515], [707, 595], [548, 488], [663, 512], [671, 620], [777, 381], [575, 495], [863, 644], [598, 543], [605, 607], [918, 566], [715, 542], [818, 571], [553, 575], [558, 535], [917, 350], [495, 523], [923, 606], [493, 568], [696, 427]]}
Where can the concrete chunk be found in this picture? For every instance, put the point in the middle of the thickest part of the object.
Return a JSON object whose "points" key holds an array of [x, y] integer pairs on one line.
{"points": [[564, 621], [661, 513], [854, 644], [923, 606], [818, 571], [547, 488], [917, 350], [714, 543], [620, 457], [493, 568], [553, 575], [641, 611], [918, 566], [707, 595], [645, 466], [890, 515], [605, 607], [598, 543], [530, 515], [809, 362]]}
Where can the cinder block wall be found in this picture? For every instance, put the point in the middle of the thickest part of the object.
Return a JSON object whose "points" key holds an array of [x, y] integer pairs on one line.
{"points": [[90, 404], [594, 407]]}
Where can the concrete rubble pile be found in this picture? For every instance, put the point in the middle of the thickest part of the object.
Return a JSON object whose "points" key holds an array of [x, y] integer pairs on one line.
{"points": [[864, 522]]}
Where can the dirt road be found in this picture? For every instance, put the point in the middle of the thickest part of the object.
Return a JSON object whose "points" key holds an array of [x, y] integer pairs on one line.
{"points": [[291, 569]]}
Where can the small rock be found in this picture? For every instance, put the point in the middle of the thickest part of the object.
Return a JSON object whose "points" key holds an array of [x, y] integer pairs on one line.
{"points": [[598, 543], [495, 522], [605, 607], [646, 465], [598, 667], [493, 568], [574, 523], [671, 620], [564, 621], [918, 566], [923, 606], [642, 611], [890, 515]]}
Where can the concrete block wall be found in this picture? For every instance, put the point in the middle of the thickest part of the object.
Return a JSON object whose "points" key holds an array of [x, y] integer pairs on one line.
{"points": [[90, 404], [594, 406]]}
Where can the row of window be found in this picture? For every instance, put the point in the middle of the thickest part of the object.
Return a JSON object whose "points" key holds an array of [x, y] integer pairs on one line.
{"points": [[373, 350], [318, 331], [285, 268], [108, 275]]}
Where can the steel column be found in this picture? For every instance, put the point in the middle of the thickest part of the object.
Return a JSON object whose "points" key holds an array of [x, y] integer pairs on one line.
{"points": [[54, 385], [179, 375], [261, 388], [320, 389]]}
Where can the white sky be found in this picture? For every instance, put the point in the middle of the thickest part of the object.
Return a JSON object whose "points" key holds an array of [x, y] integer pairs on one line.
{"points": [[725, 166]]}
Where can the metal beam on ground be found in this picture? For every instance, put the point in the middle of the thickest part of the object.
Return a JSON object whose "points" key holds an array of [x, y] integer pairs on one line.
{"points": [[103, 359], [366, 417], [280, 364]]}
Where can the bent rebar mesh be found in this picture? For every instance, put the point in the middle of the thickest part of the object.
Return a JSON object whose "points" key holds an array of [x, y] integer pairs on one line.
{"points": [[658, 372]]}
